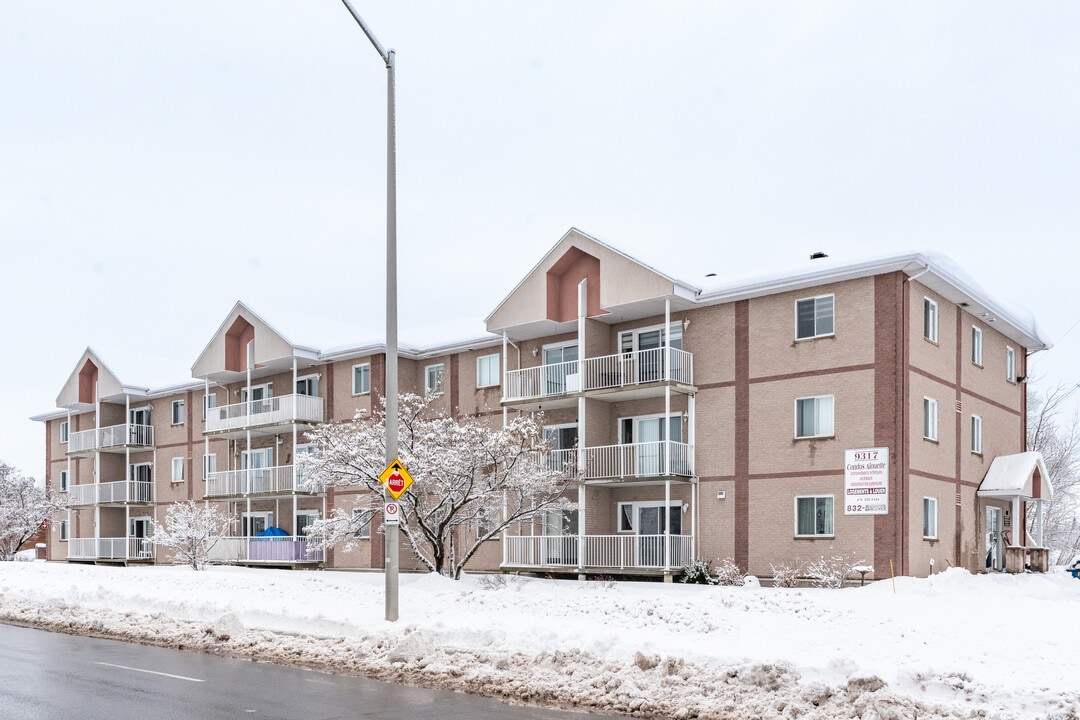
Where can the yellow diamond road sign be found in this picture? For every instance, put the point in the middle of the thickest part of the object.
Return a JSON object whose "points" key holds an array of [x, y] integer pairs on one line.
{"points": [[396, 478]]}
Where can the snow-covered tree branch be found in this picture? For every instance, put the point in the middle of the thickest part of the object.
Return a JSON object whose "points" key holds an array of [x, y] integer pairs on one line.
{"points": [[1059, 442], [191, 530], [471, 481], [23, 508]]}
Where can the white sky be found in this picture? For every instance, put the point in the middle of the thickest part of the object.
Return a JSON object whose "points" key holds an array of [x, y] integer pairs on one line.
{"points": [[952, 646], [159, 161]]}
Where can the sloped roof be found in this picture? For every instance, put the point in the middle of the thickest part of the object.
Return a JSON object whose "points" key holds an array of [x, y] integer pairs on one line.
{"points": [[1020, 475]]}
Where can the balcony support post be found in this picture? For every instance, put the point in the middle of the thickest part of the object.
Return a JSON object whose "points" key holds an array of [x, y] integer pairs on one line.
{"points": [[667, 525], [206, 438]]}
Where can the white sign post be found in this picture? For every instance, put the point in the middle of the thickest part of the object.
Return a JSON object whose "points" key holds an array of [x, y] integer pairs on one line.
{"points": [[866, 481]]}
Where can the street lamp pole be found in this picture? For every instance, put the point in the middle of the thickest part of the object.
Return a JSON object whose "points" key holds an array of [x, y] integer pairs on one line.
{"points": [[391, 530]]}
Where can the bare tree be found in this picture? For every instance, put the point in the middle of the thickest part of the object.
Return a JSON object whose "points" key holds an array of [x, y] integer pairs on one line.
{"points": [[471, 481], [1058, 441], [191, 531], [23, 508]]}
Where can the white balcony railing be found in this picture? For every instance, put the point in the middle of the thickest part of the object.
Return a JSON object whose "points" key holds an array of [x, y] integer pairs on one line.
{"points": [[615, 552], [253, 481], [113, 436], [272, 549], [660, 458], [124, 491], [600, 373], [269, 411], [128, 548]]}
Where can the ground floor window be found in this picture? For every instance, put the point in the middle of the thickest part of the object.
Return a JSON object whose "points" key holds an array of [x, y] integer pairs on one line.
{"points": [[648, 518], [929, 526], [814, 516], [362, 522]]}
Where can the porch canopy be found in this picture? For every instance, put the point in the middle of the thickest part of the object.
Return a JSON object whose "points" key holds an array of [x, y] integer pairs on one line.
{"points": [[1022, 476]]}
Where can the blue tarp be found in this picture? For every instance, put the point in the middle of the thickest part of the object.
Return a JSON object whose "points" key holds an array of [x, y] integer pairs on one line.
{"points": [[272, 532]]}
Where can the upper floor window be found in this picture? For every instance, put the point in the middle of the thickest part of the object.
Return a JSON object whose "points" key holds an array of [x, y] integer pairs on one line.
{"points": [[976, 345], [433, 378], [178, 469], [814, 515], [361, 379], [63, 481], [929, 418], [487, 371], [976, 434], [209, 465], [177, 412], [929, 523], [930, 320], [64, 431], [814, 416], [814, 317], [307, 385], [209, 402], [1010, 364]]}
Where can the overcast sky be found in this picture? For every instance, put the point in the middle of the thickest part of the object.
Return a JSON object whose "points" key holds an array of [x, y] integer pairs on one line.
{"points": [[161, 160]]}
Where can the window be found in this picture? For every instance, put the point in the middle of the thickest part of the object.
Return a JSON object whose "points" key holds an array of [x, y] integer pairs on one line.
{"points": [[487, 371], [1010, 364], [814, 417], [814, 516], [304, 520], [929, 319], [976, 434], [64, 431], [308, 385], [63, 530], [929, 418], [487, 518], [209, 465], [814, 317], [361, 379], [433, 378], [626, 517], [929, 518], [976, 345], [63, 481], [178, 469], [209, 402], [362, 522], [177, 412]]}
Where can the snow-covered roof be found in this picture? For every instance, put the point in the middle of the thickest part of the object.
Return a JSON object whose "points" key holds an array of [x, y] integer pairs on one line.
{"points": [[1019, 475]]}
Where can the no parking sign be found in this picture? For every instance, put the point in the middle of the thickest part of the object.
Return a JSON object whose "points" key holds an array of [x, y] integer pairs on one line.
{"points": [[391, 513]]}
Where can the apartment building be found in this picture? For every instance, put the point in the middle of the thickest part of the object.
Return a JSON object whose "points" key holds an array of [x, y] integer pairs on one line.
{"points": [[875, 409]]}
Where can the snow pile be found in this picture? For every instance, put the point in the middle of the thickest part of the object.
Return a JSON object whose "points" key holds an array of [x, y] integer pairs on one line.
{"points": [[952, 646]]}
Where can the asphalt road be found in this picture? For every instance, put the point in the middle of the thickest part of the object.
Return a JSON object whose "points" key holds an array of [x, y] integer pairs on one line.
{"points": [[50, 676]]}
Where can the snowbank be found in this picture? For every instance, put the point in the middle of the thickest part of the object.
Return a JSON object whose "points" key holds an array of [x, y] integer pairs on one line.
{"points": [[952, 646]]}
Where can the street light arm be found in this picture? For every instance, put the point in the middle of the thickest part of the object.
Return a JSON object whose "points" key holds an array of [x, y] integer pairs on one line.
{"points": [[370, 35]]}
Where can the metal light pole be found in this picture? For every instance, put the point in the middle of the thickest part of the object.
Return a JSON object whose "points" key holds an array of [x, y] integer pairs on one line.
{"points": [[391, 530]]}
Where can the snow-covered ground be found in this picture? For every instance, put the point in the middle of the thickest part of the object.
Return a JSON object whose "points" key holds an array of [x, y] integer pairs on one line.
{"points": [[952, 646]]}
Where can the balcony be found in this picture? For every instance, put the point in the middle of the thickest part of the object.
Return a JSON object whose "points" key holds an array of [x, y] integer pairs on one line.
{"points": [[124, 492], [272, 550], [266, 413], [282, 479], [626, 462], [624, 376], [623, 553], [114, 438], [115, 549]]}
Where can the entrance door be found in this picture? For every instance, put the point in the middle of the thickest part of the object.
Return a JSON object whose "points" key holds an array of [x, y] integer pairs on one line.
{"points": [[138, 532], [563, 440], [648, 436], [994, 552], [650, 534], [255, 522], [258, 462], [559, 362], [560, 538]]}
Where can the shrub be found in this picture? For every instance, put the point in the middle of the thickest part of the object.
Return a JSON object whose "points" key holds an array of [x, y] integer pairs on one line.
{"points": [[786, 574], [729, 574], [832, 571], [698, 572]]}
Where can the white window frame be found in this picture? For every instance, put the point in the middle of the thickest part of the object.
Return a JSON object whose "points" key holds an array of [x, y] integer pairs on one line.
{"points": [[178, 462], [63, 480], [177, 412], [817, 333], [976, 434], [132, 412], [312, 381], [832, 416], [65, 431], [363, 530], [976, 345], [209, 465], [929, 527], [434, 378], [266, 515], [310, 512], [267, 388], [487, 519], [930, 319], [486, 376], [930, 418], [133, 472], [634, 507], [1010, 364], [675, 332], [65, 530], [364, 386], [831, 522], [209, 402]]}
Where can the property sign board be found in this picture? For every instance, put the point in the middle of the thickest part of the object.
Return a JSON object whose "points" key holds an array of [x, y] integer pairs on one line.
{"points": [[866, 481]]}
